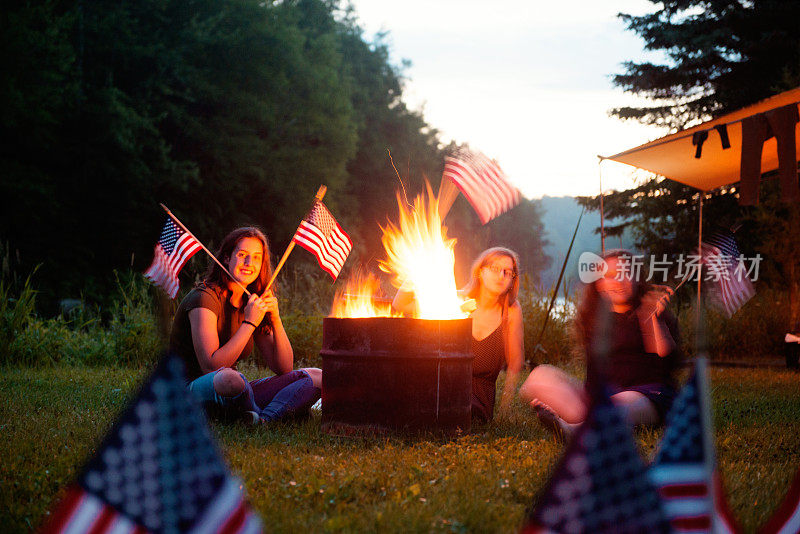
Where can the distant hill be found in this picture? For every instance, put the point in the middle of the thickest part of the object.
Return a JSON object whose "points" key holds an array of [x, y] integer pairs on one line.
{"points": [[559, 216]]}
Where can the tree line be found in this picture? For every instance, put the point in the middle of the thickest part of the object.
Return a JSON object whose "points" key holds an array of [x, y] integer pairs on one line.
{"points": [[230, 112]]}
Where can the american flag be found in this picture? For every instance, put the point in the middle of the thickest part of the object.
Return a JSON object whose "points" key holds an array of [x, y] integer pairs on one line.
{"points": [[786, 519], [730, 288], [482, 181], [600, 484], [321, 235], [157, 470], [173, 250], [684, 470]]}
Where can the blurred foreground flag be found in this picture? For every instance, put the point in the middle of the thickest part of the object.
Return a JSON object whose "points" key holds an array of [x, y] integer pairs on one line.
{"points": [[321, 235], [729, 287], [173, 249], [157, 470], [684, 470], [600, 484], [786, 519], [482, 181]]}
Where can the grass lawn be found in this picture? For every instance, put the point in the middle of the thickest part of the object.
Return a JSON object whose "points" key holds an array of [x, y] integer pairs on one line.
{"points": [[302, 480]]}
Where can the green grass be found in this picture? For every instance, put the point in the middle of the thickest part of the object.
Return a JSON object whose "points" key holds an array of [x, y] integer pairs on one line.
{"points": [[300, 479]]}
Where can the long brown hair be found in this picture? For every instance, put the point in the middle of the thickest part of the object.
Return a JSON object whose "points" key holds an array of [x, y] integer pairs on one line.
{"points": [[215, 276], [587, 309]]}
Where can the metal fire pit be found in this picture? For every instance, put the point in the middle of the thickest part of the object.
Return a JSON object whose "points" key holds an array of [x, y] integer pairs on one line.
{"points": [[396, 374]]}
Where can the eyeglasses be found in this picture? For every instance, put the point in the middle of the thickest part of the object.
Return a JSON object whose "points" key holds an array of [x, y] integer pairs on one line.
{"points": [[505, 273]]}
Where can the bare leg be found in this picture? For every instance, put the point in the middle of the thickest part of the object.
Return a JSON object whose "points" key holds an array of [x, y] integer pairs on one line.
{"points": [[637, 408], [559, 392], [315, 374]]}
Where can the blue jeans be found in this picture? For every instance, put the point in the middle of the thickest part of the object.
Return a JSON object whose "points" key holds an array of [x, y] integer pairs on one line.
{"points": [[271, 398]]}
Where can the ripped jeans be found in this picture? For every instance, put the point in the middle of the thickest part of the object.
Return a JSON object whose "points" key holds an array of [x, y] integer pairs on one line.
{"points": [[272, 398]]}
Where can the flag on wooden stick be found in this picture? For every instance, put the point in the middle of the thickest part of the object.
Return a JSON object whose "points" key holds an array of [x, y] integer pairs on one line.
{"points": [[483, 183], [730, 288], [685, 470], [320, 234], [172, 251], [157, 470]]}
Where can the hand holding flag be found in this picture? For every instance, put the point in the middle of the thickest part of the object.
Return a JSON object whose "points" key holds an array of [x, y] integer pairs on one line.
{"points": [[730, 288]]}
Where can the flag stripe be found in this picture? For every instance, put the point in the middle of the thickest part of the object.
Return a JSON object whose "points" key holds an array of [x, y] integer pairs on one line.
{"points": [[122, 525], [84, 515], [326, 244], [683, 490], [687, 524], [786, 520], [63, 512], [236, 520], [224, 504], [103, 521]]}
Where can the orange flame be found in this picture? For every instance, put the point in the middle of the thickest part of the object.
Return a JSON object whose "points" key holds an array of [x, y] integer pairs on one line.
{"points": [[419, 256], [358, 299]]}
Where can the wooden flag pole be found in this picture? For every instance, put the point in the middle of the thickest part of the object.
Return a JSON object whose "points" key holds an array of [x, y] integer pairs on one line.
{"points": [[320, 193], [447, 195], [225, 270]]}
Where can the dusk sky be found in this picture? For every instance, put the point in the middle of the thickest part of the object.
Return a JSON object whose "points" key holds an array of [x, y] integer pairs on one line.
{"points": [[526, 82]]}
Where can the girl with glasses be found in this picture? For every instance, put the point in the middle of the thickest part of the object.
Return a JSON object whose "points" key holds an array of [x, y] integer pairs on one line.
{"points": [[497, 330]]}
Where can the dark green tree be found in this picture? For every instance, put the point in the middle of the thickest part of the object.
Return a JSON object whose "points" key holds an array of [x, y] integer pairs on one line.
{"points": [[719, 56]]}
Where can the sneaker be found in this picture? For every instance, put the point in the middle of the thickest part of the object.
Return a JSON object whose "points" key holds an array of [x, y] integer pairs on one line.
{"points": [[552, 422], [250, 418]]}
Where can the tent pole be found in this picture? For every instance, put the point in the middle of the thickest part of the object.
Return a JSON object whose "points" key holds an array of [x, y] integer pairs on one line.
{"points": [[700, 252], [602, 211]]}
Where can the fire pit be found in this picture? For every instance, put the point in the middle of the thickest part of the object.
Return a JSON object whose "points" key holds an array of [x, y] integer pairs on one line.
{"points": [[396, 374]]}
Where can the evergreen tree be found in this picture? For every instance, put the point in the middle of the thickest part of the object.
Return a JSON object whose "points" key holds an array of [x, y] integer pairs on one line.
{"points": [[719, 56]]}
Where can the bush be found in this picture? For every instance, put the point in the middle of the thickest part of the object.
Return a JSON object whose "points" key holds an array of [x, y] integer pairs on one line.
{"points": [[558, 341], [755, 330], [79, 336]]}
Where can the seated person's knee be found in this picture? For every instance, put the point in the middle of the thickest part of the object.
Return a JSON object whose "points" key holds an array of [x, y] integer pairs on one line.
{"points": [[315, 374], [228, 382]]}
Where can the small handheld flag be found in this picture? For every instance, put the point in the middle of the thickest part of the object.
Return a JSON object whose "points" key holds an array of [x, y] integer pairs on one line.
{"points": [[483, 183], [600, 484], [172, 251], [157, 470], [731, 288], [320, 234], [684, 470]]}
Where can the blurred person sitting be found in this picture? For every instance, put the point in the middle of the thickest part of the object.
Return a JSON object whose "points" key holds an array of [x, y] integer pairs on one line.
{"points": [[641, 361]]}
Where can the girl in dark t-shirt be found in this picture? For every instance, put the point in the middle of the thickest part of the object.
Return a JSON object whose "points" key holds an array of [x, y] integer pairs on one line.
{"points": [[642, 356], [217, 324]]}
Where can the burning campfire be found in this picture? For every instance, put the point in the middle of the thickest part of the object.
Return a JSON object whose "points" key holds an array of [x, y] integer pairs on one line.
{"points": [[419, 257]]}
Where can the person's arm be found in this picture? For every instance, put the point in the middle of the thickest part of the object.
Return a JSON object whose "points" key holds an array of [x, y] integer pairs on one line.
{"points": [[275, 347], [655, 333], [205, 339], [514, 355], [405, 301]]}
